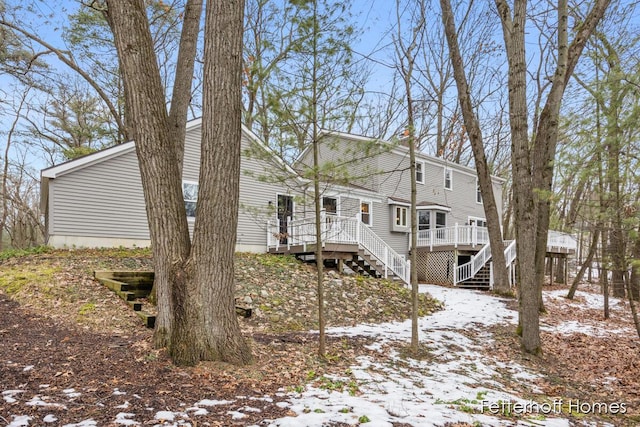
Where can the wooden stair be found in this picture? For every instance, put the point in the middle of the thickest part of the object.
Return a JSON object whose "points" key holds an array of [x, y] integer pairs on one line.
{"points": [[367, 265], [131, 287], [481, 280], [135, 286]]}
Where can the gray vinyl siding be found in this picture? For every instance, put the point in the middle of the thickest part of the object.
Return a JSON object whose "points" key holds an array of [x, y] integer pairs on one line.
{"points": [[104, 199], [382, 227], [461, 198], [348, 160], [256, 189]]}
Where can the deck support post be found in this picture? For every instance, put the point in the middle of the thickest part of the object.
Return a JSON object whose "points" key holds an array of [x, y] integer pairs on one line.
{"points": [[455, 236]]}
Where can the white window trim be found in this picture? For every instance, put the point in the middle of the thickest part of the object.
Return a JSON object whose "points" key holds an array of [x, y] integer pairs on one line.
{"points": [[370, 203], [338, 199], [444, 178], [478, 192], [401, 216], [475, 218], [422, 169], [196, 183]]}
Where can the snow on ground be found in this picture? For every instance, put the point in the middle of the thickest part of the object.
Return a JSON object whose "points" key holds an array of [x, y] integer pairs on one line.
{"points": [[428, 392], [588, 326], [457, 382]]}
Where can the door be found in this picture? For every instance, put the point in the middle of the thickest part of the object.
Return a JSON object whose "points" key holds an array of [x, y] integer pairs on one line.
{"points": [[285, 212]]}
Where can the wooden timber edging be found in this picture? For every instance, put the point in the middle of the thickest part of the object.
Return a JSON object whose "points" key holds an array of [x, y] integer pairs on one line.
{"points": [[131, 286]]}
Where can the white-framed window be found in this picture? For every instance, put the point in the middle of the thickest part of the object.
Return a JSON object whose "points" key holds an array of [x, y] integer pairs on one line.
{"points": [[441, 219], [330, 205], [478, 192], [401, 216], [424, 219], [419, 172], [448, 179], [477, 221], [366, 212], [190, 195]]}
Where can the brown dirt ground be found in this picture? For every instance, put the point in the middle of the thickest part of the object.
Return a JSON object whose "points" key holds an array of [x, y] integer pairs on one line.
{"points": [[49, 345]]}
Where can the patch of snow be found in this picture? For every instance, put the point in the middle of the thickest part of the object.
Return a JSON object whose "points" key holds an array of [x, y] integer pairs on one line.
{"points": [[456, 385], [71, 392], [117, 392], [209, 402], [583, 300], [28, 368], [38, 401], [85, 423], [283, 404], [165, 416], [19, 421], [263, 399], [197, 411], [50, 418], [236, 415], [125, 405], [9, 395], [250, 409], [43, 386], [574, 327], [123, 418]]}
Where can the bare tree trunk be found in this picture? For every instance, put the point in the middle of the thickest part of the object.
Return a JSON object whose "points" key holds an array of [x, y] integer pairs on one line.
{"points": [[595, 236], [317, 197], [604, 273], [218, 197], [634, 280], [146, 112], [533, 167], [501, 275], [196, 313]]}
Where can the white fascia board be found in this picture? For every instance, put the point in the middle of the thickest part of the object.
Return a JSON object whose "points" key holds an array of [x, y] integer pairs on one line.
{"points": [[84, 161], [433, 208]]}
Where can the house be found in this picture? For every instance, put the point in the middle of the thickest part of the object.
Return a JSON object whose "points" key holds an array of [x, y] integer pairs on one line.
{"points": [[97, 201]]}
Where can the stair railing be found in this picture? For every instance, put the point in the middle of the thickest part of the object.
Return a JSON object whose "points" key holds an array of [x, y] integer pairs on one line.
{"points": [[467, 271], [384, 253]]}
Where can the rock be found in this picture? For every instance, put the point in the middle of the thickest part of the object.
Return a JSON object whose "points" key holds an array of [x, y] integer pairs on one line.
{"points": [[264, 293], [274, 318], [247, 300]]}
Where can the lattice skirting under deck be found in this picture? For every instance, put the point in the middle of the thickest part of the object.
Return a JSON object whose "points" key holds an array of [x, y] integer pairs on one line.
{"points": [[435, 267]]}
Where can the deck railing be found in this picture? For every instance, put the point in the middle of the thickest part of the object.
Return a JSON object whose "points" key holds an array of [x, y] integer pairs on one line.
{"points": [[339, 230], [453, 236], [471, 235]]}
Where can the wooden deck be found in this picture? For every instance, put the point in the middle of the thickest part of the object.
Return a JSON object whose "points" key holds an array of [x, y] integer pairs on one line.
{"points": [[330, 250]]}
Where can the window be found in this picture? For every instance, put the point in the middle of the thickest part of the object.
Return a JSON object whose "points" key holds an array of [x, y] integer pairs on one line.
{"points": [[478, 192], [480, 222], [401, 216], [441, 219], [448, 179], [330, 205], [424, 220], [365, 212], [420, 172], [190, 194]]}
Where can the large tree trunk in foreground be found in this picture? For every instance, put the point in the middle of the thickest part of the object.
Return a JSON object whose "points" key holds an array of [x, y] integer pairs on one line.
{"points": [[195, 288], [501, 275], [532, 163], [218, 198], [147, 121]]}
